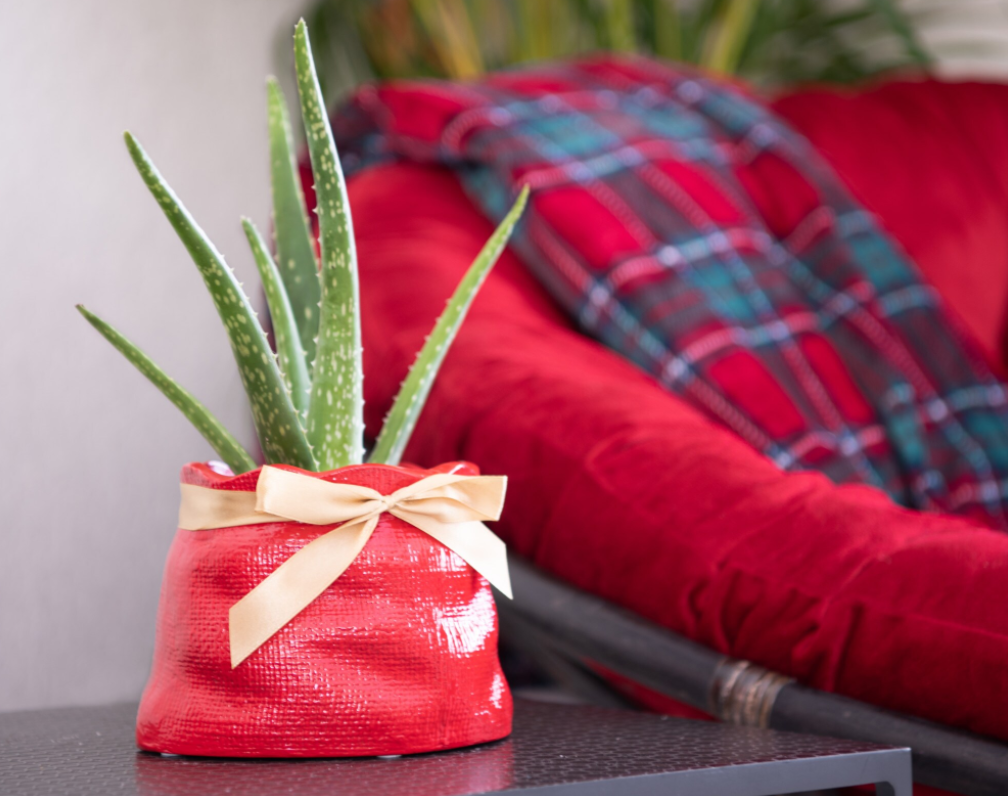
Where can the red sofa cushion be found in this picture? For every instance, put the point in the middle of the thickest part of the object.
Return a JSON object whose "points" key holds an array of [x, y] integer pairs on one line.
{"points": [[622, 489]]}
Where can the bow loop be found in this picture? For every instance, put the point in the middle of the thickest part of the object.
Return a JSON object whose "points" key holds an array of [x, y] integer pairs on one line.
{"points": [[451, 498], [450, 508]]}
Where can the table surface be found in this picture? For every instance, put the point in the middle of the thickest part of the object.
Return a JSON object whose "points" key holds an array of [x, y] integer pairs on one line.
{"points": [[557, 749]]}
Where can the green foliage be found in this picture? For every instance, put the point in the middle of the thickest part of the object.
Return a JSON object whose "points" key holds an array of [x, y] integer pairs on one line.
{"points": [[222, 441], [412, 395], [729, 41], [307, 412], [772, 42], [795, 41]]}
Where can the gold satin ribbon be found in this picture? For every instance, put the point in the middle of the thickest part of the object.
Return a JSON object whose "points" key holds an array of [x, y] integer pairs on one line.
{"points": [[447, 507]]}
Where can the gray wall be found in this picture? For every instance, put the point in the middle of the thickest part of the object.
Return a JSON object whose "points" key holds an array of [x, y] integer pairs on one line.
{"points": [[91, 452]]}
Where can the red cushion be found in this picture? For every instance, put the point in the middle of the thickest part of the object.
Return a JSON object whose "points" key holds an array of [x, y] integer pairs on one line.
{"points": [[622, 489]]}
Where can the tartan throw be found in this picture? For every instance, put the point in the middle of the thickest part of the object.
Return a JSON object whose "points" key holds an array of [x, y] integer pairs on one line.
{"points": [[812, 337]]}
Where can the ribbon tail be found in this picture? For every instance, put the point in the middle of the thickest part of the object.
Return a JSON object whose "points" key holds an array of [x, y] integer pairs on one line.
{"points": [[294, 585], [479, 547]]}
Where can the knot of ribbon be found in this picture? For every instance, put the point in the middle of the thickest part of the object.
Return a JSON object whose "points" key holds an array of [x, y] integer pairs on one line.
{"points": [[450, 508]]}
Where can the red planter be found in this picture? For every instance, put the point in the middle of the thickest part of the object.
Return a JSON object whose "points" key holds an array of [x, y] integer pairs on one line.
{"points": [[398, 655]]}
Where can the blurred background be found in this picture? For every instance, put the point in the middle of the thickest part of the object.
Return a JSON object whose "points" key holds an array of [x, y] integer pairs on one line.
{"points": [[91, 452], [767, 42]]}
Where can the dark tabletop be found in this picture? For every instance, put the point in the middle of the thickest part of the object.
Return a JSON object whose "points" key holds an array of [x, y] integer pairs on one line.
{"points": [[91, 751]]}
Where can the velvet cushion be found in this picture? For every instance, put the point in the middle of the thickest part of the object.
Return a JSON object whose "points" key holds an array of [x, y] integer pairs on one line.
{"points": [[620, 488]]}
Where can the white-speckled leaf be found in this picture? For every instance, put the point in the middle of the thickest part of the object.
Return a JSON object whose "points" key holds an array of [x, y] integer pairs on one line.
{"points": [[280, 434], [336, 408], [213, 431]]}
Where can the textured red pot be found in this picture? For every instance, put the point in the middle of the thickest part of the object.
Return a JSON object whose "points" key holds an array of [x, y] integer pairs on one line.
{"points": [[398, 655]]}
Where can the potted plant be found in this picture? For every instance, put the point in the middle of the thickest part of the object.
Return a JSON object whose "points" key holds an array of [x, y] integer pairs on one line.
{"points": [[327, 603]]}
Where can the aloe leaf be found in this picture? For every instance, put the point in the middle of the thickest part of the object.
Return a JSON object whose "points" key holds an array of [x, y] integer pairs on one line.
{"points": [[295, 248], [402, 418], [336, 406], [288, 345], [213, 431], [276, 420]]}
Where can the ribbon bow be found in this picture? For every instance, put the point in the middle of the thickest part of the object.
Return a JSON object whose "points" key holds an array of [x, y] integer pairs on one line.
{"points": [[447, 507]]}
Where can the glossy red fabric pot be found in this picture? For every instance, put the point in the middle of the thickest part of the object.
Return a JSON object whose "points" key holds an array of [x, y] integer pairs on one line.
{"points": [[397, 656]]}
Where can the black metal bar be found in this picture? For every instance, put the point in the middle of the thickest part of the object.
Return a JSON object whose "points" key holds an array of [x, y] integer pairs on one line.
{"points": [[583, 627], [568, 673], [943, 757]]}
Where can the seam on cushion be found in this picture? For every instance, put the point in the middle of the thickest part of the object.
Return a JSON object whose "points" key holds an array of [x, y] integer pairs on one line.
{"points": [[841, 601], [718, 566], [592, 455], [694, 595], [701, 606], [793, 503], [696, 598], [932, 529]]}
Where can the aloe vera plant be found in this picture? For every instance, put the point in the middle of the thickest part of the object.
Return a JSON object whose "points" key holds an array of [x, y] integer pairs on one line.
{"points": [[307, 397]]}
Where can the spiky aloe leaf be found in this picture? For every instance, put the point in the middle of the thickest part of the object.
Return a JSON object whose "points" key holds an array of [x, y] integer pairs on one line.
{"points": [[213, 431], [336, 406], [288, 344], [276, 421], [295, 248], [402, 418]]}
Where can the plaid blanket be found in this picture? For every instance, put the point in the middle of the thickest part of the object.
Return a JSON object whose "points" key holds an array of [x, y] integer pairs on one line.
{"points": [[697, 235]]}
